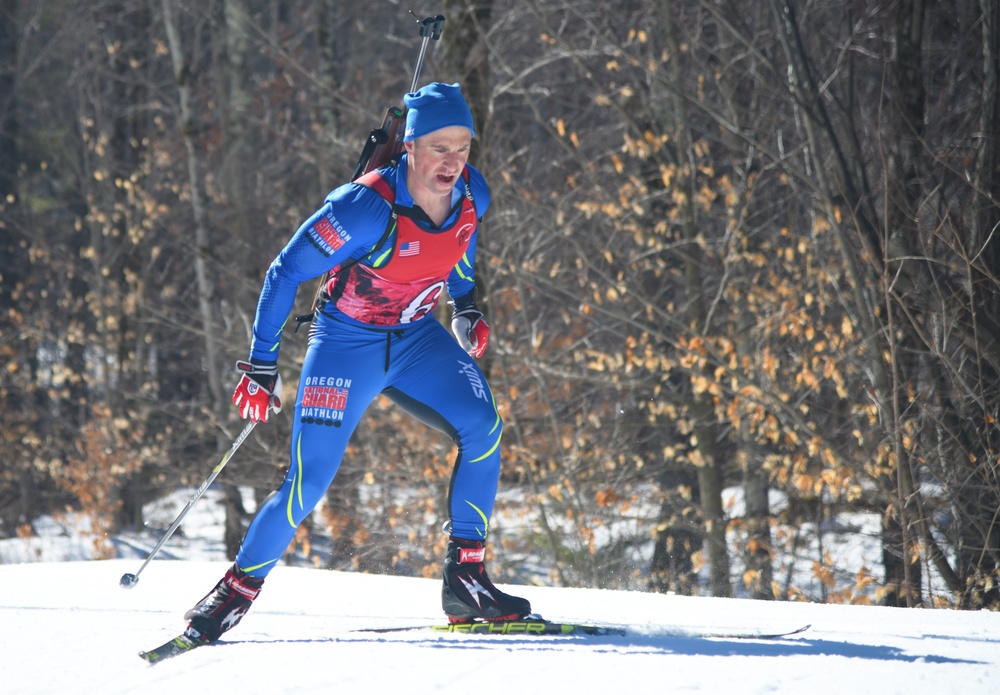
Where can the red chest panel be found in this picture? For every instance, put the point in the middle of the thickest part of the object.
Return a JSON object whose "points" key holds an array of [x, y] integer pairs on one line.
{"points": [[419, 254], [404, 282]]}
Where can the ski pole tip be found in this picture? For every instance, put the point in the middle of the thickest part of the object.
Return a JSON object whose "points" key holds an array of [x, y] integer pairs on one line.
{"points": [[128, 580]]}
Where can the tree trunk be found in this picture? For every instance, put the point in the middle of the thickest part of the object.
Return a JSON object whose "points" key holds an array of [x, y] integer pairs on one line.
{"points": [[705, 456], [329, 35], [237, 171], [9, 42], [678, 535], [467, 56], [757, 554], [903, 170], [183, 77]]}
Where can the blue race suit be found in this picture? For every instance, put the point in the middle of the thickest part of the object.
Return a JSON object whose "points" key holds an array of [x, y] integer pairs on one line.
{"points": [[376, 334]]}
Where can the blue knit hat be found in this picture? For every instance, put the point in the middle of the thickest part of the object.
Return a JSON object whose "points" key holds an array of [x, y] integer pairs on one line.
{"points": [[435, 106]]}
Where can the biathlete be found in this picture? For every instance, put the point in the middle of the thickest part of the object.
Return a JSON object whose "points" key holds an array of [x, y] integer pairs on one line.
{"points": [[395, 239]]}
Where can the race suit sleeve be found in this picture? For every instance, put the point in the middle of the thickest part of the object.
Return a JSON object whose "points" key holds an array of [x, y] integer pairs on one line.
{"points": [[350, 222], [462, 279]]}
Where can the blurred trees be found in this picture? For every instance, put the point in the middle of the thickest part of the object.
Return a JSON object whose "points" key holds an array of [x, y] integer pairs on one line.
{"points": [[741, 262]]}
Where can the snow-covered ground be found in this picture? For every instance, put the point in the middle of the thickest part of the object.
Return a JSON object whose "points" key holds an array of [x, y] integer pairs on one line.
{"points": [[69, 628]]}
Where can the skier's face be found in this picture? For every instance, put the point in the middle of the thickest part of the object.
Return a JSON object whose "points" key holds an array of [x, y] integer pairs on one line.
{"points": [[436, 160]]}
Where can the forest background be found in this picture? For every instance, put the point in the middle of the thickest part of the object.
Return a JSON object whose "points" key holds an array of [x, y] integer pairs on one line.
{"points": [[733, 246]]}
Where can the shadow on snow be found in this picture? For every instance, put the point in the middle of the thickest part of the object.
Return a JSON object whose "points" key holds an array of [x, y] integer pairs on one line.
{"points": [[642, 645]]}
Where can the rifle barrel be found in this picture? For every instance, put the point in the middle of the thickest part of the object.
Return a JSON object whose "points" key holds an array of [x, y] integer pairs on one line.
{"points": [[430, 28]]}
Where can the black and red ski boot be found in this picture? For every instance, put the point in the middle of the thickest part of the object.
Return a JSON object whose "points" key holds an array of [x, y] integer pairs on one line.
{"points": [[225, 605], [468, 594]]}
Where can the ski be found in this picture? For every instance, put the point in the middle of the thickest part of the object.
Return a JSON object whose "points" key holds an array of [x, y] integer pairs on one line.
{"points": [[183, 642], [525, 627], [541, 627], [748, 635]]}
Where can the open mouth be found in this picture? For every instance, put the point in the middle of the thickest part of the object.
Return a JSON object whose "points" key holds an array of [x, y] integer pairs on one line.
{"points": [[444, 178]]}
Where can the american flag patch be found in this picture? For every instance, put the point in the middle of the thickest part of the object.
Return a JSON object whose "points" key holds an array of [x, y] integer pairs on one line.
{"points": [[410, 248]]}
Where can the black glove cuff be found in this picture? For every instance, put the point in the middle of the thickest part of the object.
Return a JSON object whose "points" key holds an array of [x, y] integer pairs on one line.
{"points": [[465, 302], [263, 366], [264, 373]]}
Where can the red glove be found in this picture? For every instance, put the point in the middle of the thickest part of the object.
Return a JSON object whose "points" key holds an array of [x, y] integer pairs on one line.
{"points": [[258, 391], [471, 330]]}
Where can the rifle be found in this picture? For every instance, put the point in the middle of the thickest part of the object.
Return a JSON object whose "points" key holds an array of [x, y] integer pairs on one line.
{"points": [[386, 142], [383, 144]]}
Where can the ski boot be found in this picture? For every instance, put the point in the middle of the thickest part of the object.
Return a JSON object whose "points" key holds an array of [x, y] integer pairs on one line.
{"points": [[224, 605], [468, 594]]}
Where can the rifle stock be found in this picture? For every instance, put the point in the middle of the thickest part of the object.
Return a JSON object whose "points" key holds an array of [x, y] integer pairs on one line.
{"points": [[383, 143]]}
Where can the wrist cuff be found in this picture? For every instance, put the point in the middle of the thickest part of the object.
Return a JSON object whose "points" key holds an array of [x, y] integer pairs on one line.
{"points": [[466, 301]]}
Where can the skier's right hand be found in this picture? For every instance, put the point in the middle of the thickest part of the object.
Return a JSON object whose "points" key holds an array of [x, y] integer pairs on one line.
{"points": [[259, 390]]}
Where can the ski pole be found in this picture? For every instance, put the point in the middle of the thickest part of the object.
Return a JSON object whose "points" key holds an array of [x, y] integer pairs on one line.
{"points": [[128, 580]]}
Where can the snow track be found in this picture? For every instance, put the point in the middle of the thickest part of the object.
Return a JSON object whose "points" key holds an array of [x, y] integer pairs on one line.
{"points": [[69, 628]]}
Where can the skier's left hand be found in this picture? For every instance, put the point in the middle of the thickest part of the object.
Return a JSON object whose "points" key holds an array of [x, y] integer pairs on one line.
{"points": [[471, 330]]}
